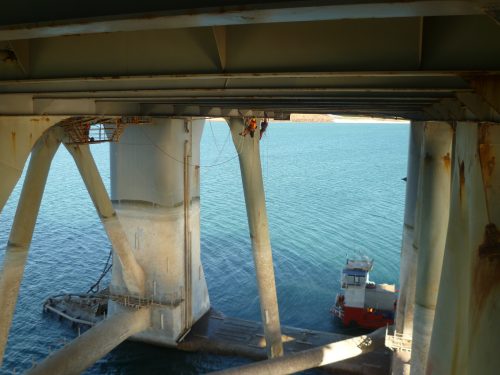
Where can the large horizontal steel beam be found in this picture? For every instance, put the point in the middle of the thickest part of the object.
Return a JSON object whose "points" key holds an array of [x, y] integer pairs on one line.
{"points": [[258, 75], [19, 24], [229, 92]]}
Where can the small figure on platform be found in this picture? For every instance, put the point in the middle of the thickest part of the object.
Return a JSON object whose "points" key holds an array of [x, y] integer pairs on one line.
{"points": [[263, 127], [250, 127]]}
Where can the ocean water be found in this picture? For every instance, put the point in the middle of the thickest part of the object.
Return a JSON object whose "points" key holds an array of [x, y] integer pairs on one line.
{"points": [[332, 190]]}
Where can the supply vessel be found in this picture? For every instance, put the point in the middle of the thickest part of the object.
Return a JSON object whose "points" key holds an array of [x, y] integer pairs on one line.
{"points": [[362, 302]]}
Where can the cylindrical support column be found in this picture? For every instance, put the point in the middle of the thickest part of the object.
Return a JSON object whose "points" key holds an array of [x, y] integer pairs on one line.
{"points": [[401, 360], [22, 230], [466, 325], [133, 274], [253, 187], [317, 357], [155, 192], [434, 201], [94, 344]]}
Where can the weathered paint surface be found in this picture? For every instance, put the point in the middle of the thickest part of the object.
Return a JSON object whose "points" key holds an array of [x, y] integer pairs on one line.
{"points": [[159, 217], [134, 277], [21, 234], [17, 136], [253, 187], [434, 201], [84, 351], [317, 357], [408, 262], [466, 327]]}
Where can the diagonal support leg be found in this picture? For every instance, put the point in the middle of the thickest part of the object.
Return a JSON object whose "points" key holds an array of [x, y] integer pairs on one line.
{"points": [[18, 135], [22, 230], [134, 276], [94, 344], [253, 186], [9, 176], [316, 357]]}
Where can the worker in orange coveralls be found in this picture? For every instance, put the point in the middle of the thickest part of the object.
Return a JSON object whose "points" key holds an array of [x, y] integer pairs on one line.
{"points": [[250, 127]]}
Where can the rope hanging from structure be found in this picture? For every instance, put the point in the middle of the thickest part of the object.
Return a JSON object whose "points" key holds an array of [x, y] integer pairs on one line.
{"points": [[96, 286], [191, 165]]}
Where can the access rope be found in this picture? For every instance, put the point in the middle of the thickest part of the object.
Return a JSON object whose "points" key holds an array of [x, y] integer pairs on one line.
{"points": [[96, 286], [194, 165]]}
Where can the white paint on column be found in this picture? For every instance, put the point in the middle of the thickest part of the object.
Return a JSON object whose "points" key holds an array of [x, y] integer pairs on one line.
{"points": [[147, 188], [466, 327], [434, 203]]}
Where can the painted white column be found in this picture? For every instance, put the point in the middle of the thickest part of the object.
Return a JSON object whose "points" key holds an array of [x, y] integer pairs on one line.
{"points": [[94, 344], [466, 327], [18, 134], [253, 187], [434, 203], [155, 193], [401, 360], [21, 233], [133, 274]]}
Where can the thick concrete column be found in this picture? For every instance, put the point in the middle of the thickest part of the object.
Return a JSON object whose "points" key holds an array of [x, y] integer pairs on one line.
{"points": [[466, 327], [434, 202], [155, 192], [253, 187], [21, 233], [18, 134], [94, 344], [408, 262], [133, 274]]}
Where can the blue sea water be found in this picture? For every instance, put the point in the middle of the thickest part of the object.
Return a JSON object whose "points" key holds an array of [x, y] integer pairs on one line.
{"points": [[331, 189]]}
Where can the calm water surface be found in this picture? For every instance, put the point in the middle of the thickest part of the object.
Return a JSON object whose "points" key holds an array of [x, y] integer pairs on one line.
{"points": [[332, 190]]}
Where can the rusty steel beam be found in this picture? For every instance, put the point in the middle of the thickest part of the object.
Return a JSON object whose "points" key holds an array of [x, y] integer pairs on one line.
{"points": [[257, 75], [21, 26]]}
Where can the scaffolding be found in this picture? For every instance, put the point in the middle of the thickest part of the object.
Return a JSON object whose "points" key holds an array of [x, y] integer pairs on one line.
{"points": [[85, 130], [398, 341]]}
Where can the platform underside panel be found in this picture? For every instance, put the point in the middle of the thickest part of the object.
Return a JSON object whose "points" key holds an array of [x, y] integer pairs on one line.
{"points": [[385, 59]]}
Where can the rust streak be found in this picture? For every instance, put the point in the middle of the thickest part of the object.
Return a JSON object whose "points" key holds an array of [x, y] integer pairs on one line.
{"points": [[447, 162], [487, 163], [462, 179], [486, 275], [14, 143], [491, 243]]}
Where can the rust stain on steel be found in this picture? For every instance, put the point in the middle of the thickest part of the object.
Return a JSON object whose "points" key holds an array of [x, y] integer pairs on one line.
{"points": [[447, 162], [491, 243], [486, 275], [487, 163], [462, 179], [38, 119], [13, 138]]}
